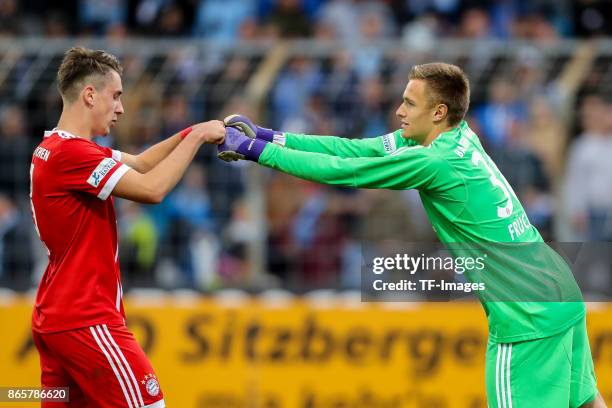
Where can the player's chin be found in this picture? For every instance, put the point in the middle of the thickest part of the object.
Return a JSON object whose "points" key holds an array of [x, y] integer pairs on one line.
{"points": [[109, 127]]}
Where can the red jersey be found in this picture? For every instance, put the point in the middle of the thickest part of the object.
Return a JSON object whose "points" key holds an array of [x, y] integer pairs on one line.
{"points": [[70, 185]]}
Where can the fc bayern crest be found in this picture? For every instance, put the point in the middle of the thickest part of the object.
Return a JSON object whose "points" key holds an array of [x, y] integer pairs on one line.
{"points": [[151, 384]]}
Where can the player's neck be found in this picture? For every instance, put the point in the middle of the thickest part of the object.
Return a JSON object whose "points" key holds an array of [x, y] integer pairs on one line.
{"points": [[75, 122], [435, 132]]}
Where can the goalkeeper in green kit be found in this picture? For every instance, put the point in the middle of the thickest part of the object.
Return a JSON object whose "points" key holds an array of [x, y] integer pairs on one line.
{"points": [[538, 353]]}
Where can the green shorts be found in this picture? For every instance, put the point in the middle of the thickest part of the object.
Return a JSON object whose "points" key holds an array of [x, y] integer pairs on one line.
{"points": [[555, 371]]}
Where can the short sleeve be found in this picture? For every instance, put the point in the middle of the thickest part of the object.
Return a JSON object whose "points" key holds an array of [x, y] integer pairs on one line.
{"points": [[86, 167]]}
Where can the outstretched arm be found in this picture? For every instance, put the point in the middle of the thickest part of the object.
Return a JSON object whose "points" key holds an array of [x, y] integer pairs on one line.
{"points": [[411, 168], [154, 185], [151, 157], [343, 147], [331, 145]]}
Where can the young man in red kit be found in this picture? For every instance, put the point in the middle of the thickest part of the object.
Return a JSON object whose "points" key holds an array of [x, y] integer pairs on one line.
{"points": [[78, 320]]}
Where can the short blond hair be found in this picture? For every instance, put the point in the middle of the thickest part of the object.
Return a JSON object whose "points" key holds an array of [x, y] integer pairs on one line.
{"points": [[448, 84], [83, 64]]}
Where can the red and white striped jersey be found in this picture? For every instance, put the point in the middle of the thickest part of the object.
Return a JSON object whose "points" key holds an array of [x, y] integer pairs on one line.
{"points": [[71, 179]]}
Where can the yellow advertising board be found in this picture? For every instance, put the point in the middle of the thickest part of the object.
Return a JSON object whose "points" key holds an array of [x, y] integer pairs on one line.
{"points": [[304, 354]]}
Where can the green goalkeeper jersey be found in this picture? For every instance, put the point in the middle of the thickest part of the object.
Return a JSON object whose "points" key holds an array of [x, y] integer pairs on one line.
{"points": [[467, 200]]}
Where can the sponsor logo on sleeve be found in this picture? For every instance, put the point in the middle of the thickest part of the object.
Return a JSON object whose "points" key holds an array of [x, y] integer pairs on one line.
{"points": [[389, 143], [102, 170]]}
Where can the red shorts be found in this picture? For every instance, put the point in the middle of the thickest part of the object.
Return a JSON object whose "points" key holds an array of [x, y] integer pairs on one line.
{"points": [[103, 366]]}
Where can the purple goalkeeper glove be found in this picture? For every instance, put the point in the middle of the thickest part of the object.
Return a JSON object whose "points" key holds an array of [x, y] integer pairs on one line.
{"points": [[249, 128], [237, 146]]}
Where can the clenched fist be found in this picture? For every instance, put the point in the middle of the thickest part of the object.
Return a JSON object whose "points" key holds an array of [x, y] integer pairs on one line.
{"points": [[212, 132]]}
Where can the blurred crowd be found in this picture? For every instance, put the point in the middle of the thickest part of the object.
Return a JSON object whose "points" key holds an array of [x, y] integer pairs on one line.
{"points": [[546, 122], [227, 20]]}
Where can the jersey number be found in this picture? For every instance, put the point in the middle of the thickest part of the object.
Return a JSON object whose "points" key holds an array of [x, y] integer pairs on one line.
{"points": [[499, 182]]}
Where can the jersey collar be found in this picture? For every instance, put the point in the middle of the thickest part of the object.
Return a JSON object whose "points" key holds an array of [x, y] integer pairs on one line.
{"points": [[61, 133]]}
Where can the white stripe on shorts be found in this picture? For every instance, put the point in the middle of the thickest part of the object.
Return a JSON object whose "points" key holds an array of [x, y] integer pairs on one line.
{"points": [[497, 376], [112, 364], [127, 366], [508, 376], [130, 386], [503, 390], [122, 369]]}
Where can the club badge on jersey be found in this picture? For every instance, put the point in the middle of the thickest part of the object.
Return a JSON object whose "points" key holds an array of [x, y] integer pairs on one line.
{"points": [[151, 384]]}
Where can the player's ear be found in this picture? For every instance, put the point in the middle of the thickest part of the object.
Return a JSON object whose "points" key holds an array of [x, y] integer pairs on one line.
{"points": [[440, 112], [88, 95]]}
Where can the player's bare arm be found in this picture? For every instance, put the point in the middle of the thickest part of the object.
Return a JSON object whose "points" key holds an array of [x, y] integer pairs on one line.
{"points": [[151, 157], [154, 185]]}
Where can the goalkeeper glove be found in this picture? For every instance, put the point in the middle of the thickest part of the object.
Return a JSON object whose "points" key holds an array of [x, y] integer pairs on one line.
{"points": [[249, 128], [237, 146]]}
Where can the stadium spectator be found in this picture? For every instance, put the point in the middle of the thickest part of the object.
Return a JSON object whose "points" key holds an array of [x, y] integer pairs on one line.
{"points": [[15, 153], [16, 260], [319, 235], [589, 169], [421, 34], [172, 22], [340, 86], [300, 79], [408, 10], [214, 23], [9, 18], [144, 15], [546, 136], [371, 119], [284, 198], [96, 16], [316, 116], [139, 246], [343, 17], [288, 19], [367, 54], [475, 24], [176, 113], [190, 209], [500, 116], [224, 83]]}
